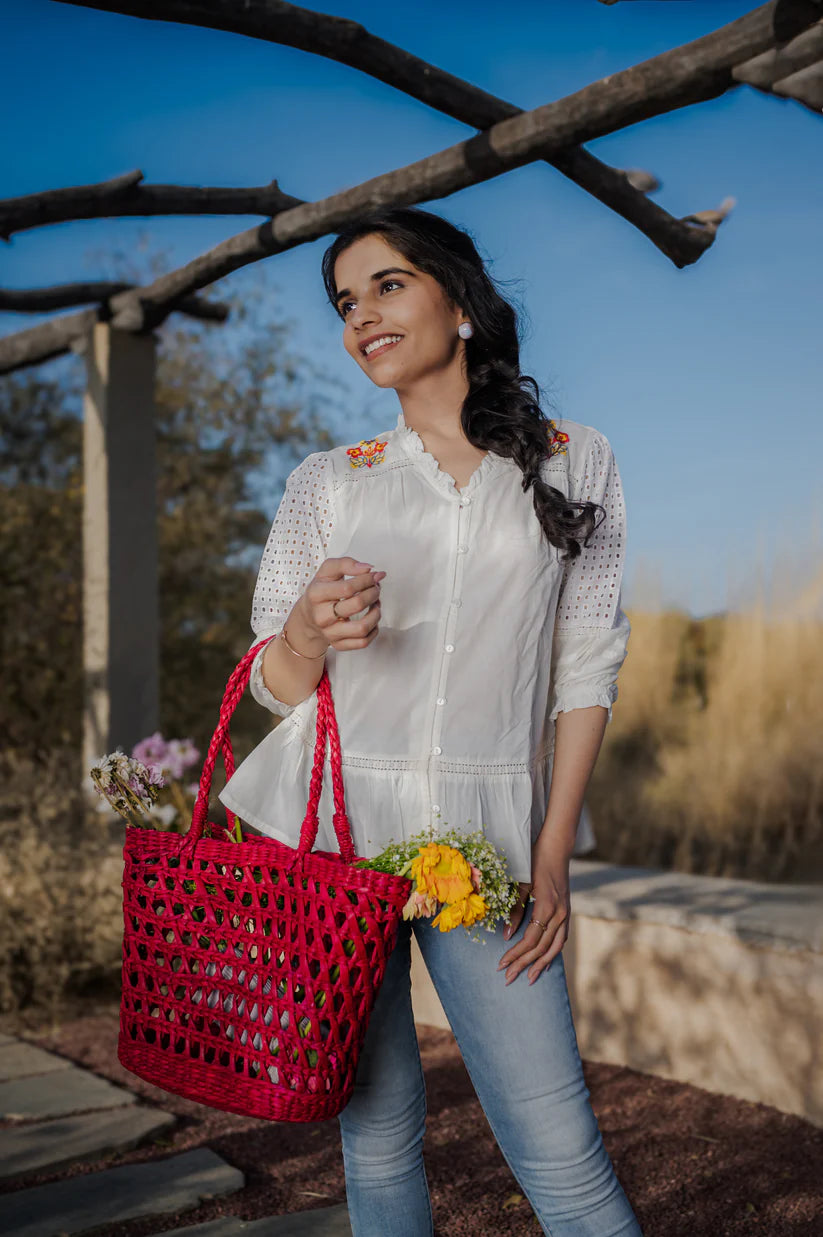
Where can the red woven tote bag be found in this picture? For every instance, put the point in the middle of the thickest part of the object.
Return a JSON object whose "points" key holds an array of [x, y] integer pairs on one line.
{"points": [[250, 969]]}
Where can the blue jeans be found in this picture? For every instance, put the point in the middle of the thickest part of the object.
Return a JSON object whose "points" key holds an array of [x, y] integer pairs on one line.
{"points": [[520, 1048]]}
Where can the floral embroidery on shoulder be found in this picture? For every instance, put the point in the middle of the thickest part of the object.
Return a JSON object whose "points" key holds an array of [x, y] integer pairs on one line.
{"points": [[369, 451], [557, 440]]}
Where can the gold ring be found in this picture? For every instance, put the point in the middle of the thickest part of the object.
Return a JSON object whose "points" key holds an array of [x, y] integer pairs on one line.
{"points": [[534, 919], [344, 618]]}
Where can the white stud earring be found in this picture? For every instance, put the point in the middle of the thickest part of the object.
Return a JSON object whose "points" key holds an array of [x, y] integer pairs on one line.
{"points": [[465, 330]]}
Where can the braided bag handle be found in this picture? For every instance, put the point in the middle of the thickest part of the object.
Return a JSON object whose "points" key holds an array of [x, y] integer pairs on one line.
{"points": [[221, 742]]}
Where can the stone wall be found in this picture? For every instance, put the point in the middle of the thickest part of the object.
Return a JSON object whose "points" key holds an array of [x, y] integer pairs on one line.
{"points": [[710, 981]]}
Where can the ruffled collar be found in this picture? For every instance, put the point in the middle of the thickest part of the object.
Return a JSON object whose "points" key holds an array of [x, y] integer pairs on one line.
{"points": [[412, 443]]}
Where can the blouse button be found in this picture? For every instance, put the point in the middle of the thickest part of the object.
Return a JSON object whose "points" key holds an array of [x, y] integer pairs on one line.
{"points": [[457, 604], [436, 751], [465, 502], [441, 699], [461, 549], [435, 807], [449, 648]]}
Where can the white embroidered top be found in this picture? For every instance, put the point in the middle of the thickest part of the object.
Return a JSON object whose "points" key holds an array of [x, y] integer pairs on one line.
{"points": [[447, 718]]}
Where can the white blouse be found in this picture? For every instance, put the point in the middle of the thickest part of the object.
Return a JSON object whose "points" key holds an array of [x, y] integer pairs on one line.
{"points": [[447, 718]]}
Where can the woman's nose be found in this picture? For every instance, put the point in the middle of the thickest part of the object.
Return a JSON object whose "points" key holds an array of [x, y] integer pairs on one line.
{"points": [[364, 315]]}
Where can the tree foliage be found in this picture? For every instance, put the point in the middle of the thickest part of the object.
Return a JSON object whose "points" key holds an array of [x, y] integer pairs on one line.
{"points": [[40, 562], [236, 410]]}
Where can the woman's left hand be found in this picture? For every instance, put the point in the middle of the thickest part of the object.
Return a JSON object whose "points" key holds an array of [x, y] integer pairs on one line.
{"points": [[552, 906]]}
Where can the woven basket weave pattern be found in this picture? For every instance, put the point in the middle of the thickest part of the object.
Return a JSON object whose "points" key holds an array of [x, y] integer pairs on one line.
{"points": [[250, 969]]}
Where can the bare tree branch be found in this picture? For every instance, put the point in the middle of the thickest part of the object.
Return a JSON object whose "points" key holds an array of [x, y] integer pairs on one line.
{"points": [[688, 74], [347, 42], [66, 333], [805, 86], [793, 71], [697, 71], [61, 296], [47, 340], [45, 207], [125, 195], [712, 219], [764, 70]]}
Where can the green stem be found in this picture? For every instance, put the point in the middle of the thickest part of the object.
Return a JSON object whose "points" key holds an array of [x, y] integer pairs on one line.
{"points": [[238, 832]]}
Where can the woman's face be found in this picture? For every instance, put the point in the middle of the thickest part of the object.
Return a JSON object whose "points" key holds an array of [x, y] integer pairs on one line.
{"points": [[380, 293]]}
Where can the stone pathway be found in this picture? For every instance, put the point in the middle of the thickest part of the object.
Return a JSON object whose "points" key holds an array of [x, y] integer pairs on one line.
{"points": [[59, 1114], [325, 1222]]}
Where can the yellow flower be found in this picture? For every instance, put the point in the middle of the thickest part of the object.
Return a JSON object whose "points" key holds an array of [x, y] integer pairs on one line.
{"points": [[475, 908], [466, 911], [443, 872], [450, 917]]}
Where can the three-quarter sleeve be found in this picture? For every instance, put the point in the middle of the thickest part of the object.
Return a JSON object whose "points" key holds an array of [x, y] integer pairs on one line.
{"points": [[591, 631], [295, 548]]}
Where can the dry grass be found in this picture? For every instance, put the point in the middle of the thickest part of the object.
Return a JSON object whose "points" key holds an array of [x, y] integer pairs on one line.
{"points": [[713, 762], [61, 918]]}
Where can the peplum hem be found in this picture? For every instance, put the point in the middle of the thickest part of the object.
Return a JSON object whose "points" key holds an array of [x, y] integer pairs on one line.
{"points": [[270, 788]]}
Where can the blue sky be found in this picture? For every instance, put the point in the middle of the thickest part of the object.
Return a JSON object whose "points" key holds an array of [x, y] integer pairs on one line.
{"points": [[707, 381]]}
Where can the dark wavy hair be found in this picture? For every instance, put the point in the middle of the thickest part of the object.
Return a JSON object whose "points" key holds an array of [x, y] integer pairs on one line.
{"points": [[501, 412]]}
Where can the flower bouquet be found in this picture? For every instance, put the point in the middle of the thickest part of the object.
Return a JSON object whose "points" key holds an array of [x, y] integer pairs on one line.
{"points": [[134, 785], [149, 788], [460, 879]]}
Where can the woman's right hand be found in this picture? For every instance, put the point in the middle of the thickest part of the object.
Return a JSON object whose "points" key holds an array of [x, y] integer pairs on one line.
{"points": [[361, 589]]}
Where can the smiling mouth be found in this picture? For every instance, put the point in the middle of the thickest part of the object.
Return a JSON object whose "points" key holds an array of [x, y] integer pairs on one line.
{"points": [[383, 348]]}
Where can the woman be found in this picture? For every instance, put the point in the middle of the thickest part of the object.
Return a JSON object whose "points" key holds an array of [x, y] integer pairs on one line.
{"points": [[459, 576]]}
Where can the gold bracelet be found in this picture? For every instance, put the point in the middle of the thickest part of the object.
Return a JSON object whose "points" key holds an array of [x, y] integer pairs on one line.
{"points": [[306, 656]]}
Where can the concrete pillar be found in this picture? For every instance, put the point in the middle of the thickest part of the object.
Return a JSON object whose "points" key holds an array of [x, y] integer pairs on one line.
{"points": [[120, 588]]}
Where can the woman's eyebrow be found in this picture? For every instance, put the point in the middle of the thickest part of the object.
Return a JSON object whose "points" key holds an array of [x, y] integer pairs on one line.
{"points": [[390, 270]]}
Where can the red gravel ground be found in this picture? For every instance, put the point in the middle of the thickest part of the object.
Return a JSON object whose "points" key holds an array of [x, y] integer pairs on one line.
{"points": [[694, 1164]]}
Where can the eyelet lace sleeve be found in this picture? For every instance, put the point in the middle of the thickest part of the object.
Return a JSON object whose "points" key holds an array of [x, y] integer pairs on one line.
{"points": [[591, 631], [295, 548]]}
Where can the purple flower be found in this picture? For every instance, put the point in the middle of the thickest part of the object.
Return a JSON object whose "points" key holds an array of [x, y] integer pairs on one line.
{"points": [[152, 752], [181, 754], [172, 757]]}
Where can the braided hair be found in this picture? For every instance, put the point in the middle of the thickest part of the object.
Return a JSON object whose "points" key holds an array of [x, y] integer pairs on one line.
{"points": [[501, 412]]}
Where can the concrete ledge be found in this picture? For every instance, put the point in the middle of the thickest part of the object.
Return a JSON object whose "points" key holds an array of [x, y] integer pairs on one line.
{"points": [[710, 981], [787, 917]]}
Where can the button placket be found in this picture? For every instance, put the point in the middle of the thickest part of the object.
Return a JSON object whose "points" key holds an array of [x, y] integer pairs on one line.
{"points": [[448, 648]]}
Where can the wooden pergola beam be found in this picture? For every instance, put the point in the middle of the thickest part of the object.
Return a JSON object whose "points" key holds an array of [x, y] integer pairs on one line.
{"points": [[60, 335], [692, 73], [64, 296], [348, 42], [697, 71], [793, 71], [126, 196], [48, 340]]}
